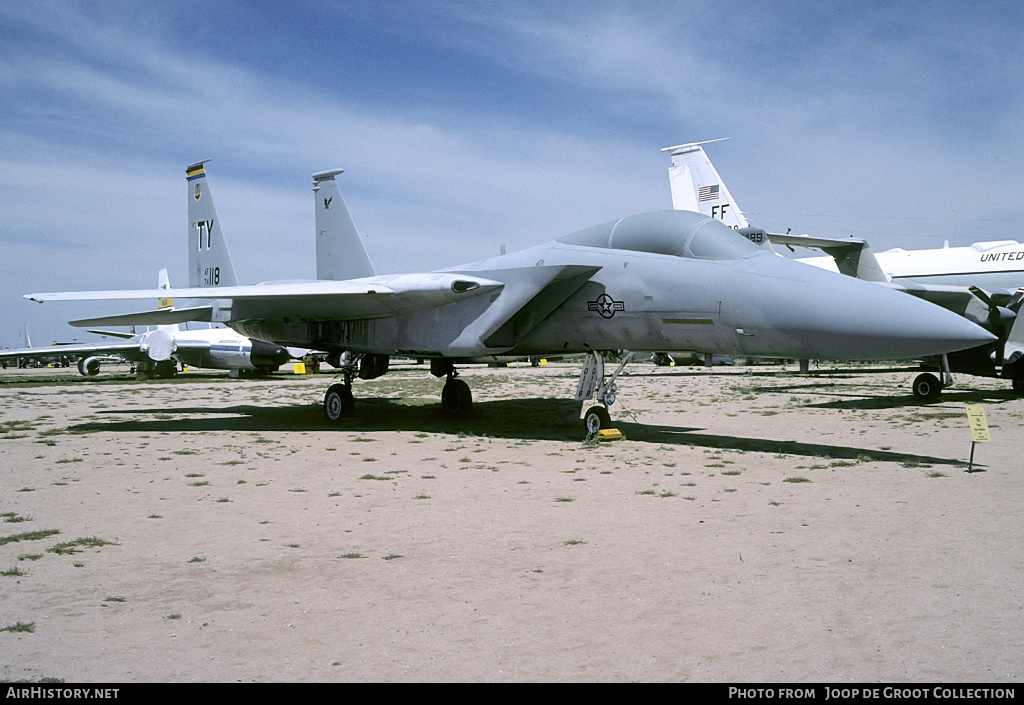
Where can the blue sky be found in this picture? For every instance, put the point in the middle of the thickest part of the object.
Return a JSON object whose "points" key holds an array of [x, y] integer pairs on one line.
{"points": [[465, 126]]}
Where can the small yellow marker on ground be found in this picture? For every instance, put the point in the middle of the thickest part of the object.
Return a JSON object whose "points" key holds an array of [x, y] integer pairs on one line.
{"points": [[300, 368], [609, 434]]}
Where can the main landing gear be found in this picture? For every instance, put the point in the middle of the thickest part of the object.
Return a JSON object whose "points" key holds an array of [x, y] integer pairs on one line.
{"points": [[456, 397], [339, 402], [593, 386]]}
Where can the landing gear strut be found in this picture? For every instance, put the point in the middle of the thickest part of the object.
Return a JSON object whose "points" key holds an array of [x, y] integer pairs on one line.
{"points": [[593, 385], [338, 401]]}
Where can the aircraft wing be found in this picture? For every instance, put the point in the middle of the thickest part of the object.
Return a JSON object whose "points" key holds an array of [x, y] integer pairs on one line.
{"points": [[375, 297], [259, 291], [518, 299], [977, 305], [951, 297], [853, 256], [127, 350]]}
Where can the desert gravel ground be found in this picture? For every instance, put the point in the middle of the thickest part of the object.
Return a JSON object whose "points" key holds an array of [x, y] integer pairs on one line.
{"points": [[754, 525]]}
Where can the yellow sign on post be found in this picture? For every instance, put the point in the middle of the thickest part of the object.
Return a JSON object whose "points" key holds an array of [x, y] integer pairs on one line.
{"points": [[979, 426], [299, 368], [979, 430]]}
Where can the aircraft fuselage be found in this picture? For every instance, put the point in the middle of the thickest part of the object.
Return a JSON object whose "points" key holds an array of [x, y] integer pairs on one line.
{"points": [[992, 266], [660, 281]]}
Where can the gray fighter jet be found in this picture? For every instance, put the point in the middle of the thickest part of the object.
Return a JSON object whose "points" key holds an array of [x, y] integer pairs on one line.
{"points": [[667, 280]]}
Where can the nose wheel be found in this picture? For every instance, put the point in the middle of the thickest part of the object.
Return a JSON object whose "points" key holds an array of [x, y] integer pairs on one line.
{"points": [[596, 419], [927, 387]]}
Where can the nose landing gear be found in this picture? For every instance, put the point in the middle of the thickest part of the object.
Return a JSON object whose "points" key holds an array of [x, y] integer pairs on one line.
{"points": [[593, 385]]}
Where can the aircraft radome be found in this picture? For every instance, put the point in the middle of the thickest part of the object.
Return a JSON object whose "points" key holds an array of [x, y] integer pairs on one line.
{"points": [[667, 280], [983, 282]]}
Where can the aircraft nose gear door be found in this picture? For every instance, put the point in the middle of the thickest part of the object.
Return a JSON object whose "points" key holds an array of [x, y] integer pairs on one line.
{"points": [[592, 385]]}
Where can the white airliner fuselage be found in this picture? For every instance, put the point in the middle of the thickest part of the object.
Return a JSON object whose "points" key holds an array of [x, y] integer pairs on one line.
{"points": [[992, 266]]}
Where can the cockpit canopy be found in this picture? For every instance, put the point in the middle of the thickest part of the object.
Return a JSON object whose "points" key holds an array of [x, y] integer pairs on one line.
{"points": [[678, 233]]}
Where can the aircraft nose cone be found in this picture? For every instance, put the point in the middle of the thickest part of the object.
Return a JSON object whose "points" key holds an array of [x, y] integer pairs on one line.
{"points": [[779, 304]]}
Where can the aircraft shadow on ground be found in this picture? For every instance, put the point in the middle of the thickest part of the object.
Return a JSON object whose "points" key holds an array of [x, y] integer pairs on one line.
{"points": [[518, 419], [867, 400]]}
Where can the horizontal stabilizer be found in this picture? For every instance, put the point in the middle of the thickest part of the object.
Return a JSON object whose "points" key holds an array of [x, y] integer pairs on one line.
{"points": [[161, 317], [112, 333]]}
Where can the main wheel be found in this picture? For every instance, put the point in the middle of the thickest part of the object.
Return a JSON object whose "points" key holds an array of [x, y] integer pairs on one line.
{"points": [[927, 387], [596, 419], [456, 397], [165, 369], [338, 402]]}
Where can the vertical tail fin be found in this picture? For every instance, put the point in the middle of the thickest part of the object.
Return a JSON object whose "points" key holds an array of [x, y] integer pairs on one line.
{"points": [[696, 186], [209, 262], [339, 251], [163, 282], [165, 303]]}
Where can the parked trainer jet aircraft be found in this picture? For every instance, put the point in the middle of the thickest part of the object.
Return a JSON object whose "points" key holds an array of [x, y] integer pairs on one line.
{"points": [[668, 280], [167, 345], [983, 282]]}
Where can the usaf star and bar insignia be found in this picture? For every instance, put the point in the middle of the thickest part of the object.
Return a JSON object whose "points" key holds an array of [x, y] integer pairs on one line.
{"points": [[606, 306]]}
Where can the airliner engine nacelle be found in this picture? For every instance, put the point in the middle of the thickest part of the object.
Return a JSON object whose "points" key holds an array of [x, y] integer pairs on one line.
{"points": [[268, 355], [157, 344], [89, 366], [1001, 316]]}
